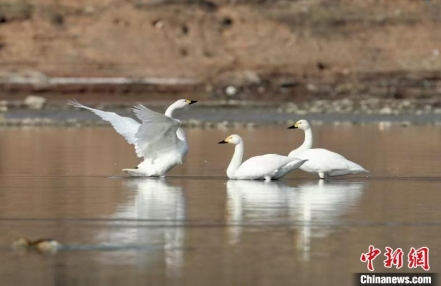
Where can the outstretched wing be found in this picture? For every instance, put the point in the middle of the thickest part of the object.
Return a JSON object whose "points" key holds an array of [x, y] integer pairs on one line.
{"points": [[157, 135], [125, 126]]}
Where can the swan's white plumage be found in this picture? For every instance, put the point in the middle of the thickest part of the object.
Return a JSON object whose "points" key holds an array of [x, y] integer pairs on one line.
{"points": [[266, 165], [269, 166], [324, 162], [158, 135], [159, 139], [125, 126], [328, 162]]}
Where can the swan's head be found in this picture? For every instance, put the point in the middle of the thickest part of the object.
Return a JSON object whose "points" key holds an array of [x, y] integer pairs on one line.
{"points": [[181, 103], [232, 139], [301, 124]]}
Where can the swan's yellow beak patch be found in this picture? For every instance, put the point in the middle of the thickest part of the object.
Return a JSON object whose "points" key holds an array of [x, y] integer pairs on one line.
{"points": [[188, 101], [296, 125]]}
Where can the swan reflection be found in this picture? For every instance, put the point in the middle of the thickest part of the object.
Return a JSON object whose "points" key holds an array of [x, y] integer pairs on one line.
{"points": [[156, 203], [320, 206], [155, 200], [255, 200], [315, 207]]}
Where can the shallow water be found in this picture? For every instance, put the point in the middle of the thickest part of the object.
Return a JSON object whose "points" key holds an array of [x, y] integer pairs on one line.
{"points": [[197, 228]]}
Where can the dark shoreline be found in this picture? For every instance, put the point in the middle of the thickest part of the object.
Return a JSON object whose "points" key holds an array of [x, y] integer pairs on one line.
{"points": [[253, 86], [217, 117]]}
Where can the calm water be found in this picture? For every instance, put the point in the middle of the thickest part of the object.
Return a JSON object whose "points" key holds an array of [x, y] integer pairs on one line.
{"points": [[197, 228]]}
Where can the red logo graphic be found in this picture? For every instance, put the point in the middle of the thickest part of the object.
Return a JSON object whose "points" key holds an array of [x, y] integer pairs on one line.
{"points": [[393, 258], [370, 256], [419, 257], [416, 257]]}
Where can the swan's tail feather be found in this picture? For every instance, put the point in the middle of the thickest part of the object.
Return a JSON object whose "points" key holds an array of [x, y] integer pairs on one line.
{"points": [[300, 163], [134, 172], [350, 168], [357, 168], [354, 168]]}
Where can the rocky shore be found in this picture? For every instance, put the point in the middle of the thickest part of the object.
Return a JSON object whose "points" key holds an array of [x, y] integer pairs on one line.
{"points": [[37, 111]]}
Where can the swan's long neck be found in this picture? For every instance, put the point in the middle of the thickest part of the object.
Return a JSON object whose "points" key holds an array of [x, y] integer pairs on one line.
{"points": [[170, 109], [236, 160], [307, 144]]}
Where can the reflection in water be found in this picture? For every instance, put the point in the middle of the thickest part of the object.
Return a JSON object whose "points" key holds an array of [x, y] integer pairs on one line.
{"points": [[320, 206], [155, 200], [316, 206], [62, 188], [159, 203], [255, 200]]}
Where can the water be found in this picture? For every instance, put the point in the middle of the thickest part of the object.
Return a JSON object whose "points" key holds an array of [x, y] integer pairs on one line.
{"points": [[197, 228]]}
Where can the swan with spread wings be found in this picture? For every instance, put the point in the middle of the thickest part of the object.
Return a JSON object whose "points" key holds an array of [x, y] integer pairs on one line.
{"points": [[159, 139]]}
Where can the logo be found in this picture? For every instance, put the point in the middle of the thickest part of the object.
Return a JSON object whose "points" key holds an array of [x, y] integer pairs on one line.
{"points": [[394, 258]]}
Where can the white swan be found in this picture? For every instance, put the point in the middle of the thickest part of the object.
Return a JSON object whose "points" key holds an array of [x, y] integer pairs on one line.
{"points": [[322, 161], [270, 166], [159, 138]]}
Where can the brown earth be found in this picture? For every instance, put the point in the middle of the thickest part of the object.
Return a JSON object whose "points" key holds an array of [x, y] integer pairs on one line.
{"points": [[267, 49]]}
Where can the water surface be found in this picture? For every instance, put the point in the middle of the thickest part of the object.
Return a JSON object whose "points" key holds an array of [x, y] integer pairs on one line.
{"points": [[196, 227]]}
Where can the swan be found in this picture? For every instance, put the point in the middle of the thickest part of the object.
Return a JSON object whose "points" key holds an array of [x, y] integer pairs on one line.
{"points": [[324, 162], [159, 138], [269, 166]]}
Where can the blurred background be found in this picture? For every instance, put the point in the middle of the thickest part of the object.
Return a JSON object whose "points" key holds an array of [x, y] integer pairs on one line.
{"points": [[125, 50]]}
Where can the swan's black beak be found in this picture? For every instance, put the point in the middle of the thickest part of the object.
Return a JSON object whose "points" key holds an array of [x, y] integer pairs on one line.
{"points": [[293, 127], [222, 142], [192, 101]]}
